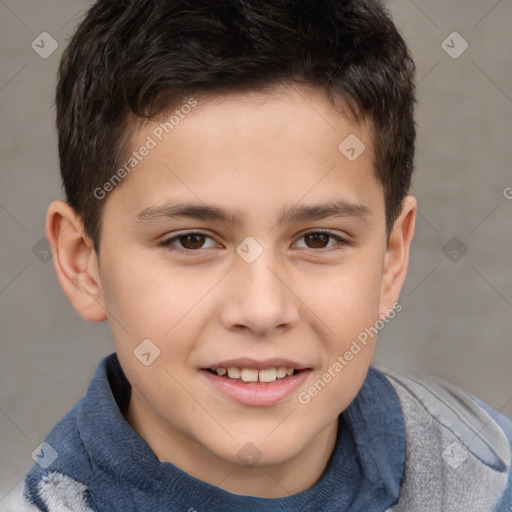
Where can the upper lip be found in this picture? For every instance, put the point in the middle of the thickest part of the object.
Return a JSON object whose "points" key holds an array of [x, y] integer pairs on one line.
{"points": [[245, 362]]}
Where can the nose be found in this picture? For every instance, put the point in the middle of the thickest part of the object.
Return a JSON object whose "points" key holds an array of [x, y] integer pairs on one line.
{"points": [[260, 297]]}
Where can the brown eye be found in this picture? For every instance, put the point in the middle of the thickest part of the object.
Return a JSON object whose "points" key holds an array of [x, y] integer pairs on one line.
{"points": [[317, 240], [321, 241], [192, 241], [188, 243]]}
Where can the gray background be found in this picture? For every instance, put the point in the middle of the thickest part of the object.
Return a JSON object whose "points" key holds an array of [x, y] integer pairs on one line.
{"points": [[456, 320]]}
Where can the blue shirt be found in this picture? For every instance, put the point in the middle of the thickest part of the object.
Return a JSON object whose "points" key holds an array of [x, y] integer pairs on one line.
{"points": [[116, 470]]}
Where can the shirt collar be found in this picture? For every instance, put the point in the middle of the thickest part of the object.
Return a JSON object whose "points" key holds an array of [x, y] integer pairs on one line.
{"points": [[371, 443]]}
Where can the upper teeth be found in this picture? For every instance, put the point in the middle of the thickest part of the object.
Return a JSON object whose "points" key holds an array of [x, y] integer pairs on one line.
{"points": [[253, 375]]}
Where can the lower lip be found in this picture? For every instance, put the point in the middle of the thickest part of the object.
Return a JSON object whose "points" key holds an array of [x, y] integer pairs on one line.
{"points": [[251, 393]]}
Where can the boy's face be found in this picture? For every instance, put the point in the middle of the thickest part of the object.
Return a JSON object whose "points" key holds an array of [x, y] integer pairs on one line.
{"points": [[252, 287]]}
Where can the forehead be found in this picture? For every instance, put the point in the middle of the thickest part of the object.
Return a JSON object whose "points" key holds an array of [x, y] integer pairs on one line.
{"points": [[299, 115], [286, 145]]}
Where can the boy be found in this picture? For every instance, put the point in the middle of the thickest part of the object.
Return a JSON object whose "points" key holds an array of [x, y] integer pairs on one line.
{"points": [[237, 178]]}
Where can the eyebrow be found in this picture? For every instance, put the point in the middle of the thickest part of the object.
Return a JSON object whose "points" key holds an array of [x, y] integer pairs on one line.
{"points": [[198, 211]]}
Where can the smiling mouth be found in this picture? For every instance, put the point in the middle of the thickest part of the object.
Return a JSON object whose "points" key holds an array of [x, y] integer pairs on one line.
{"points": [[252, 375]]}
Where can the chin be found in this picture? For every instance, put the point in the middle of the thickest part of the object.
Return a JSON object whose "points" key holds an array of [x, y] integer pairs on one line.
{"points": [[259, 451]]}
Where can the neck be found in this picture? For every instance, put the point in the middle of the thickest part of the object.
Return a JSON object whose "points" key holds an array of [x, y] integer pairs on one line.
{"points": [[294, 475]]}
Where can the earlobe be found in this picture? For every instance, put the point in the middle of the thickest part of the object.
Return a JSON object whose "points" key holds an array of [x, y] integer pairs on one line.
{"points": [[75, 261], [397, 255]]}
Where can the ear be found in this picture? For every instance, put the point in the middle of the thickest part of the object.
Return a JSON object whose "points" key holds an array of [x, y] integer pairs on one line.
{"points": [[397, 255], [75, 261]]}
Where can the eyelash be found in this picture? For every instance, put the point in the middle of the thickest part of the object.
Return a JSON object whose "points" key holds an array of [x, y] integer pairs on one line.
{"points": [[167, 243]]}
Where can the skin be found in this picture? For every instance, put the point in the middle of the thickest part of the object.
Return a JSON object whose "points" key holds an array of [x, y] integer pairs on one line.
{"points": [[300, 299]]}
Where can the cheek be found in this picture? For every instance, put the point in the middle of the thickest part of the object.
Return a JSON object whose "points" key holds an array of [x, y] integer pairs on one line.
{"points": [[350, 308], [348, 300], [150, 303], [149, 300]]}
